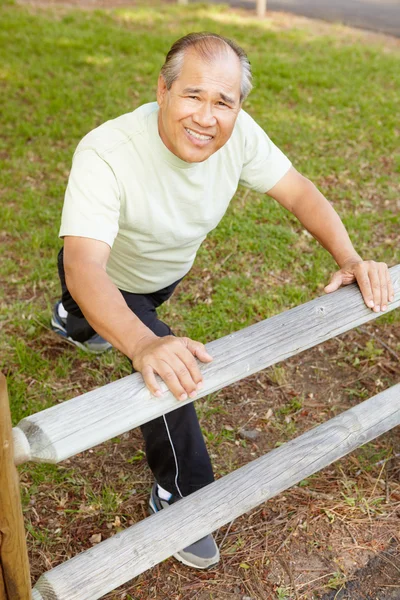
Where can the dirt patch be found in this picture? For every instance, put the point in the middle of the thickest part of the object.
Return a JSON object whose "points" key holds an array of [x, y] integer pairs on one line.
{"points": [[375, 580]]}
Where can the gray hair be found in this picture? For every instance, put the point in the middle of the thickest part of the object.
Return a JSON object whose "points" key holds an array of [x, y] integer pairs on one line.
{"points": [[206, 45]]}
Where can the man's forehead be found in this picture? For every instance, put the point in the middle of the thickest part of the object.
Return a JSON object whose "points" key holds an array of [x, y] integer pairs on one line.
{"points": [[224, 70], [222, 56]]}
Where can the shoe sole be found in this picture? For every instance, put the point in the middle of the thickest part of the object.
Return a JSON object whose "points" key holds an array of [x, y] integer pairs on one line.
{"points": [[60, 330], [177, 556], [57, 327], [193, 566]]}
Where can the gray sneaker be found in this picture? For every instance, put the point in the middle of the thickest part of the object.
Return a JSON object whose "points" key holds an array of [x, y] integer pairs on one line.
{"points": [[203, 554], [95, 345]]}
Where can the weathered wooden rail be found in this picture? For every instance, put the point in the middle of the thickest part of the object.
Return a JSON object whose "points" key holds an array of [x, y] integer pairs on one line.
{"points": [[66, 429], [78, 424], [111, 563]]}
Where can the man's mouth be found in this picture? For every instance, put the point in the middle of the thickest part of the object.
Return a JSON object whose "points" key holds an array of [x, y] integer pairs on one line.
{"points": [[198, 136]]}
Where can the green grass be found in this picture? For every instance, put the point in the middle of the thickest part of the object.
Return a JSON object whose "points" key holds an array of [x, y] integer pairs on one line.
{"points": [[332, 107], [330, 102]]}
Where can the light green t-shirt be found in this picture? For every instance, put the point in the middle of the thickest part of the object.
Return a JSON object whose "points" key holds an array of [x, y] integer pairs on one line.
{"points": [[152, 208]]}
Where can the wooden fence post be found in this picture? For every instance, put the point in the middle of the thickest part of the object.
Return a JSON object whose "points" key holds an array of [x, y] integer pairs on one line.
{"points": [[14, 567], [261, 8]]}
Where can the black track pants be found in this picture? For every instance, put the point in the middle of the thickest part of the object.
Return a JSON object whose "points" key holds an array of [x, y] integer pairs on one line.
{"points": [[175, 449]]}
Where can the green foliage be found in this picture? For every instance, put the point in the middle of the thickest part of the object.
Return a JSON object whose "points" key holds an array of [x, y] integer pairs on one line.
{"points": [[292, 407], [283, 593], [337, 581]]}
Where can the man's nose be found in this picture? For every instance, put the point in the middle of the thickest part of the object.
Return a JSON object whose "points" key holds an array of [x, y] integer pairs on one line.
{"points": [[204, 115]]}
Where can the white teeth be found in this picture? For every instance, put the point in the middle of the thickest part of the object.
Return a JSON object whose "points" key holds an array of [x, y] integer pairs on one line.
{"points": [[198, 136]]}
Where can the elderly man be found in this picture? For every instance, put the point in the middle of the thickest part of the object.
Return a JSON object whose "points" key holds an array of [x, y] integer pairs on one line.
{"points": [[144, 191]]}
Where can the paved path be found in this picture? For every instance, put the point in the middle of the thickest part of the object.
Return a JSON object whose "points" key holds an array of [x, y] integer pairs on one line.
{"points": [[377, 15]]}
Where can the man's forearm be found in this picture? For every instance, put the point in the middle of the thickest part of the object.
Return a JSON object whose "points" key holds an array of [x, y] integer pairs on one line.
{"points": [[105, 308], [318, 216], [299, 195], [174, 359]]}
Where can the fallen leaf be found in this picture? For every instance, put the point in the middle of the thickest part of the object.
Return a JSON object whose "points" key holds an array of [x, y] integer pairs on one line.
{"points": [[95, 538]]}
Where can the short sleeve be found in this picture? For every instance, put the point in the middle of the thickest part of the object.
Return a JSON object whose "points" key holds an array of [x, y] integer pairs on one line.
{"points": [[92, 199], [264, 163]]}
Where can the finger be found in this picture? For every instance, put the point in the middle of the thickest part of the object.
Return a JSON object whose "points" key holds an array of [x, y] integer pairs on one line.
{"points": [[335, 283], [390, 287], [193, 369], [187, 353], [375, 286], [184, 352], [177, 378], [384, 286], [187, 371], [365, 286], [199, 350], [151, 381]]}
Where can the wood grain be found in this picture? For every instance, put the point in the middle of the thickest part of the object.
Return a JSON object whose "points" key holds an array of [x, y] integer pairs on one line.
{"points": [[3, 595], [14, 566], [94, 573], [83, 422]]}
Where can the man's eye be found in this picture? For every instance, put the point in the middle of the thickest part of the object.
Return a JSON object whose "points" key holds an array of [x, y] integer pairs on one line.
{"points": [[220, 103], [194, 97]]}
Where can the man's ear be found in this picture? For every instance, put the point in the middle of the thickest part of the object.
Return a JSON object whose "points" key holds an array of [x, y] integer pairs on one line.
{"points": [[161, 90]]}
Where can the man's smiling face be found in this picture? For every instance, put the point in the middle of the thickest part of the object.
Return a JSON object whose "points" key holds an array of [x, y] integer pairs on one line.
{"points": [[198, 113]]}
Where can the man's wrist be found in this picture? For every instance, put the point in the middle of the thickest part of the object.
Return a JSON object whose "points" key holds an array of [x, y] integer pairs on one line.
{"points": [[348, 259], [140, 340]]}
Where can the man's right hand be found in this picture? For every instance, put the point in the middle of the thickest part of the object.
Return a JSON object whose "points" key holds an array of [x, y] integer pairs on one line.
{"points": [[174, 360]]}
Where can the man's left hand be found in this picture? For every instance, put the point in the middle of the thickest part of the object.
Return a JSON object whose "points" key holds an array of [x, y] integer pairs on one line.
{"points": [[373, 279]]}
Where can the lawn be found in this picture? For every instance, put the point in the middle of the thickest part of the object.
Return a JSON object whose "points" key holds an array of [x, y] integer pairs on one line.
{"points": [[329, 98]]}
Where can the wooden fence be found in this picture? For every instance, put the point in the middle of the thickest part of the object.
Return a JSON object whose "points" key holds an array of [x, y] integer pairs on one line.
{"points": [[14, 567], [78, 424]]}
